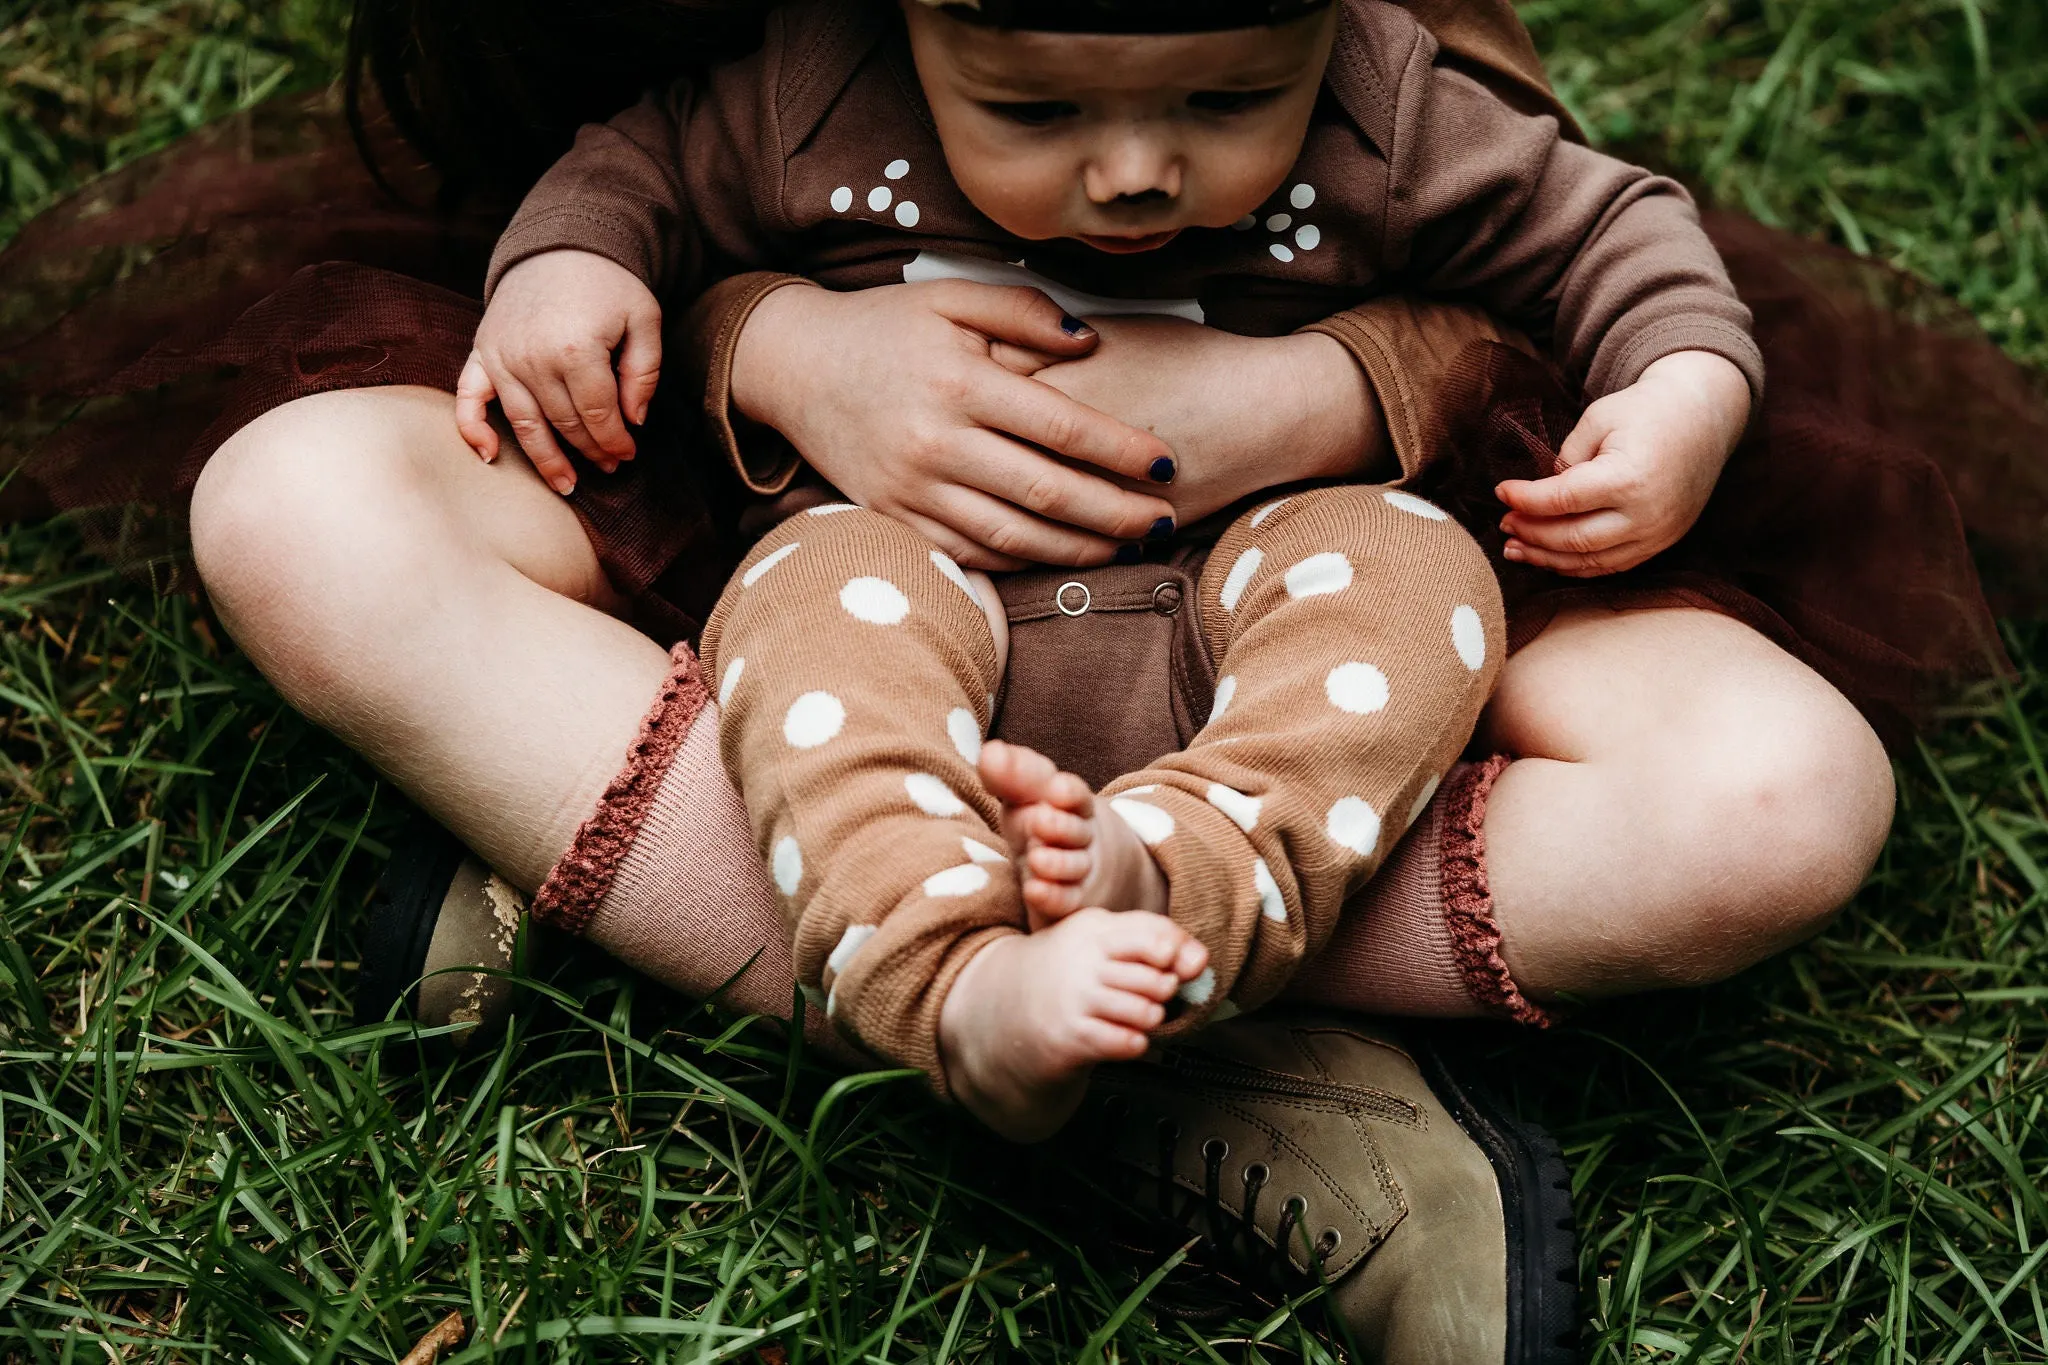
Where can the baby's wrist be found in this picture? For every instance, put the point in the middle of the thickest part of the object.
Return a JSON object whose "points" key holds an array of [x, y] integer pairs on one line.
{"points": [[766, 362]]}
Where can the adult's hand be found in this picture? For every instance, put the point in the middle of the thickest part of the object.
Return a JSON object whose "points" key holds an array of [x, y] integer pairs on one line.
{"points": [[909, 398], [1241, 413]]}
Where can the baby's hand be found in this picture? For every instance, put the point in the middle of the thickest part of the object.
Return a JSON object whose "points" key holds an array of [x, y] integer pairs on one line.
{"points": [[1639, 467], [544, 351]]}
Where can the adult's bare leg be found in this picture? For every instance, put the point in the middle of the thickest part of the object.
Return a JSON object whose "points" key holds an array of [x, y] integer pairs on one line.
{"points": [[446, 618], [1687, 800]]}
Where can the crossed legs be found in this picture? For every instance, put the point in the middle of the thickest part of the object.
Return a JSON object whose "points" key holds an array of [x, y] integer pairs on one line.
{"points": [[1689, 799]]}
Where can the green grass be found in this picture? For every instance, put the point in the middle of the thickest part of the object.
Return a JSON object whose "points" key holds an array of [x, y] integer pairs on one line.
{"points": [[1838, 1157]]}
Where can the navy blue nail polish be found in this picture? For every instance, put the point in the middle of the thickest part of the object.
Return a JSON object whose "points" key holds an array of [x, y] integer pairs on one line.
{"points": [[1129, 554], [1162, 470], [1161, 529], [1073, 326]]}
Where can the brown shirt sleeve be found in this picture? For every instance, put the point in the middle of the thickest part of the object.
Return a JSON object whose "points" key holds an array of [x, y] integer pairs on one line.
{"points": [[1493, 205], [618, 192]]}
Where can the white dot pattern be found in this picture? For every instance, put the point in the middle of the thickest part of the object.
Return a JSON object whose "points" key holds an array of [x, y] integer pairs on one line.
{"points": [[1271, 903], [896, 169], [731, 680], [1152, 825], [831, 507], [1240, 577], [880, 197], [1198, 991], [1243, 810], [982, 853], [1308, 236], [842, 199], [1317, 575], [907, 214], [932, 796], [786, 864], [1259, 517], [1280, 222], [876, 601], [1358, 688], [851, 942], [1281, 252], [755, 574], [1302, 196], [1226, 691], [1421, 507], [1355, 825], [965, 732], [1468, 637], [1246, 223], [963, 880], [813, 719]]}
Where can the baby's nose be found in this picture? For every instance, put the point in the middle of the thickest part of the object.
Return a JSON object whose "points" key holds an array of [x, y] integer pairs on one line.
{"points": [[1134, 172]]}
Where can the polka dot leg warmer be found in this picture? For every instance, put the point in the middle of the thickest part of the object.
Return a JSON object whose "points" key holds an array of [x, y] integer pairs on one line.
{"points": [[856, 674], [1358, 633]]}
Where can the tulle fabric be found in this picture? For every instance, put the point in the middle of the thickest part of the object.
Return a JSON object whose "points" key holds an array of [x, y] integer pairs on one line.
{"points": [[149, 318]]}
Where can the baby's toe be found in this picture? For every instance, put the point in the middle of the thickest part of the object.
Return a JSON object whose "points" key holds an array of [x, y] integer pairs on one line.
{"points": [[1139, 979], [1132, 1011], [1047, 824], [1058, 864], [1051, 900], [1140, 936], [1191, 959], [1099, 1040], [1014, 773]]}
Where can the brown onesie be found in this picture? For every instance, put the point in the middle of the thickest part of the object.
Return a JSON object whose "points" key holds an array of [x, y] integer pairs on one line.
{"points": [[1355, 631]]}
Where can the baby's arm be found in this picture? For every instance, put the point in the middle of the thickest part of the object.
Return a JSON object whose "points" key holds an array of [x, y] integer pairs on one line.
{"points": [[572, 292], [1660, 444], [1612, 264]]}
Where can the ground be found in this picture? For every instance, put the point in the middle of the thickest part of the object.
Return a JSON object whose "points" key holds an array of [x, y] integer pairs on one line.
{"points": [[1840, 1156]]}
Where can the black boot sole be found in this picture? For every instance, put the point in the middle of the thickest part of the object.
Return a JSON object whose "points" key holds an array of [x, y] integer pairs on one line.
{"points": [[403, 914], [1536, 1202]]}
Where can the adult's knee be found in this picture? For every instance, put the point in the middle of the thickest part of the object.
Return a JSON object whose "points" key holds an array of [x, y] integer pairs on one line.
{"points": [[1794, 794]]}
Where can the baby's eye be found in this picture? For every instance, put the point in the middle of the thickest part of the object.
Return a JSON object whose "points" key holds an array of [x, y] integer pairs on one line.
{"points": [[1033, 113], [1231, 101]]}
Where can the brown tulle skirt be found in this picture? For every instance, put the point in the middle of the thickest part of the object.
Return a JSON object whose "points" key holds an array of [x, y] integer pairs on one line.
{"points": [[147, 319]]}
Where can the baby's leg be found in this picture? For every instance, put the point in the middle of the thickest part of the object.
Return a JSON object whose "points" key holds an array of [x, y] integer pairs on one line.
{"points": [[856, 670], [1359, 633]]}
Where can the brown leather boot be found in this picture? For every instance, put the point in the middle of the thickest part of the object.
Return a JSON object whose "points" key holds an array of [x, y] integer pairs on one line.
{"points": [[439, 910], [1305, 1146]]}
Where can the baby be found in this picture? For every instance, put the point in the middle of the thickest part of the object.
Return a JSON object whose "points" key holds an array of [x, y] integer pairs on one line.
{"points": [[1254, 164]]}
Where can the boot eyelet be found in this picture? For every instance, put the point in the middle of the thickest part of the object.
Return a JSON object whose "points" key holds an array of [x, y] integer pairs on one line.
{"points": [[1168, 1130], [1327, 1244], [1215, 1150], [1296, 1205], [1256, 1175]]}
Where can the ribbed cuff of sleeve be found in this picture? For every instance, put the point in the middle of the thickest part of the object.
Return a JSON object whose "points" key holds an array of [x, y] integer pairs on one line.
{"points": [[571, 229], [711, 330], [1717, 336]]}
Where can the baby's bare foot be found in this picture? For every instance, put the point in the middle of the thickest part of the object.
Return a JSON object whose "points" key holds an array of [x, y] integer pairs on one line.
{"points": [[1073, 850], [1029, 1016]]}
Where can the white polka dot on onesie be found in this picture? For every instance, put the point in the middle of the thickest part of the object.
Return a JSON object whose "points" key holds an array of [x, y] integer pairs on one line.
{"points": [[1243, 810], [1271, 903], [1152, 825], [787, 864], [965, 732], [728, 684], [963, 880], [1240, 577], [755, 574], [1318, 574], [1421, 507]]}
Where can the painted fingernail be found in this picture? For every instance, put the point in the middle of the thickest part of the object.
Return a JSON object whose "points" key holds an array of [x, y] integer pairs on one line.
{"points": [[1129, 554], [1074, 327], [1162, 470], [1161, 529]]}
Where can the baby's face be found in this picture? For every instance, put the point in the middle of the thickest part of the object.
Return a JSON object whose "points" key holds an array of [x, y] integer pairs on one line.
{"points": [[1118, 140]]}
